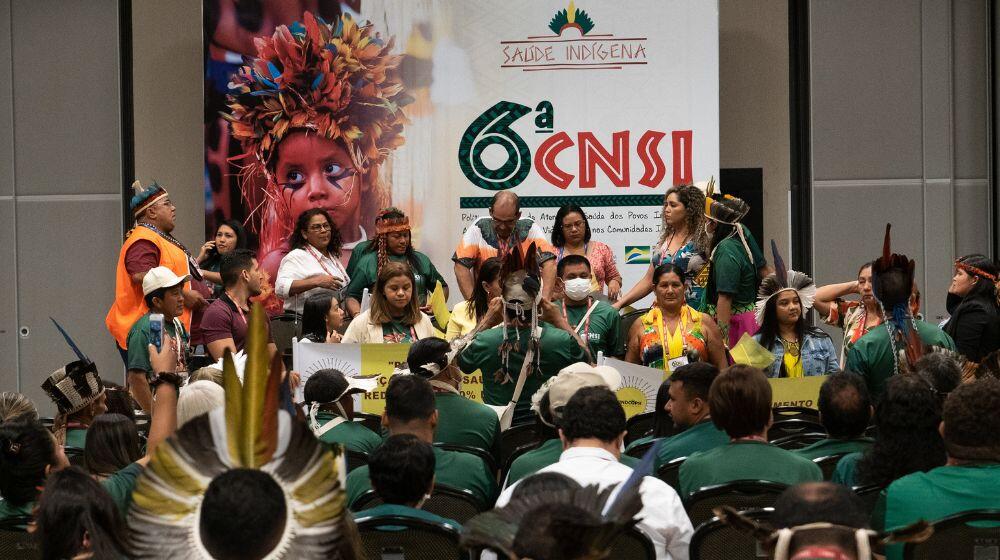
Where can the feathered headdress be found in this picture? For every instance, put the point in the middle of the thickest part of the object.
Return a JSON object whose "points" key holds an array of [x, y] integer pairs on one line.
{"points": [[72, 387], [782, 280], [144, 197], [780, 540], [389, 220], [907, 347], [521, 282], [249, 432], [729, 210]]}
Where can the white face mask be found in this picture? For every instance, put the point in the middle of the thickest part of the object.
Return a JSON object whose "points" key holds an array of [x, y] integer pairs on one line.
{"points": [[577, 288]]}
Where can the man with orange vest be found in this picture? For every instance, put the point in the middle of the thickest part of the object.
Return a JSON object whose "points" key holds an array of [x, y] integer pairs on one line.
{"points": [[147, 246]]}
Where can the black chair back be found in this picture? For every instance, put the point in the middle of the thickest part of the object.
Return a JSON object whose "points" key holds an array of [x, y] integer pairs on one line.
{"points": [[484, 455], [739, 494], [798, 441], [515, 438], [510, 460], [371, 421], [715, 540], [670, 473], [795, 413], [627, 320], [409, 538], [640, 425], [869, 496], [970, 535], [639, 450], [633, 544], [458, 504], [16, 542], [785, 428], [75, 456], [828, 464], [284, 328], [354, 459]]}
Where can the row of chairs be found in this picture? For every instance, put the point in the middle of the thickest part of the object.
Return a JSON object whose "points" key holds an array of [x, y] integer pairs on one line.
{"points": [[788, 420]]}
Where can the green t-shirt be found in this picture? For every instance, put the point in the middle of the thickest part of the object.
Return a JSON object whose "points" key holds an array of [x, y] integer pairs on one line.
{"points": [[827, 447], [558, 350], [732, 272], [8, 511], [603, 333], [701, 437], [351, 435], [365, 272], [357, 253], [451, 468], [76, 437], [139, 340], [846, 472], [936, 494], [465, 422], [406, 511], [871, 355], [397, 332], [745, 460], [546, 454]]}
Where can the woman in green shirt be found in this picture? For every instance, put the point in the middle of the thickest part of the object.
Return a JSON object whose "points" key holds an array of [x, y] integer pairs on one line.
{"points": [[28, 453], [394, 316]]}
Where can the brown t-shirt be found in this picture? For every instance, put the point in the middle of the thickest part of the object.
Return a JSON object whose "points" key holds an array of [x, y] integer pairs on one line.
{"points": [[223, 320], [142, 256]]}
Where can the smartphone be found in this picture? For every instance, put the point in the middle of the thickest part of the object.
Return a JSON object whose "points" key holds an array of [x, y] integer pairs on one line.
{"points": [[156, 330]]}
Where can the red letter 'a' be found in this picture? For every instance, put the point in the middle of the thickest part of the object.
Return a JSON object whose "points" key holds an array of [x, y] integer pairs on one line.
{"points": [[649, 155], [682, 157], [545, 160], [592, 154]]}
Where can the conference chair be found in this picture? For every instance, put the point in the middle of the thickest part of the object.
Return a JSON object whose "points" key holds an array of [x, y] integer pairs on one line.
{"points": [[75, 456], [670, 473], [828, 464], [795, 413], [284, 328], [869, 496], [371, 421], [513, 439], [448, 502], [628, 319], [505, 470], [633, 544], [970, 535], [484, 455], [798, 441], [408, 538], [640, 425], [16, 542], [795, 426], [738, 494], [639, 450], [355, 459], [715, 540]]}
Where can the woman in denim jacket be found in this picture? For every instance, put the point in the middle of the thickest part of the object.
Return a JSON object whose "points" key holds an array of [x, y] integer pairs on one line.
{"points": [[783, 300]]}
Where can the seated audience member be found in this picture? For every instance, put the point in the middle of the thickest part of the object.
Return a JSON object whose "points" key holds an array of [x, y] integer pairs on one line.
{"points": [[595, 321], [229, 236], [592, 429], [740, 403], [15, 406], [409, 409], [941, 371], [197, 398], [469, 313], [329, 400], [844, 409], [224, 324], [663, 424], [162, 290], [112, 445], [313, 262], [971, 429], [402, 474], [548, 404], [76, 518], [118, 400], [688, 406], [80, 397], [819, 502], [392, 244], [322, 318], [395, 314], [207, 373], [461, 421], [875, 355], [906, 440], [974, 310], [503, 355]]}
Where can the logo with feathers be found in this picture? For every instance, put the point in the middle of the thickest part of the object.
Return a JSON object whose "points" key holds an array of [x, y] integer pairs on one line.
{"points": [[571, 17], [637, 254]]}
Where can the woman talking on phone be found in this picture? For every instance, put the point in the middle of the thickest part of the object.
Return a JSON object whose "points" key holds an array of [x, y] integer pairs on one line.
{"points": [[229, 236]]}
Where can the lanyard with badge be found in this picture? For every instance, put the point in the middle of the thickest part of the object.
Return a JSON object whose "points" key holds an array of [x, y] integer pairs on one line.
{"points": [[672, 340], [585, 320], [340, 272]]}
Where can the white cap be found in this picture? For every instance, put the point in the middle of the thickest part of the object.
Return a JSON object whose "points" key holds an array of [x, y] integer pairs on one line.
{"points": [[611, 377], [161, 277]]}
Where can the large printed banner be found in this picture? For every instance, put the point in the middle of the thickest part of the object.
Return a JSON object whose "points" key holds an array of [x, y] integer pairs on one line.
{"points": [[597, 103]]}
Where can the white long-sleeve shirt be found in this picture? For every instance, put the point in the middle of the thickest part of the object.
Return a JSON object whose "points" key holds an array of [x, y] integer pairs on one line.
{"points": [[663, 517], [300, 264]]}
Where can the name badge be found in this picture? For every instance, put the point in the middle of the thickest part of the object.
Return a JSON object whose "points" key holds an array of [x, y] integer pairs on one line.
{"points": [[677, 362]]}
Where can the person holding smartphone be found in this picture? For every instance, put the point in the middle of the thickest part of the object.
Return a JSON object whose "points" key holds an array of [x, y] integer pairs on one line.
{"points": [[162, 291]]}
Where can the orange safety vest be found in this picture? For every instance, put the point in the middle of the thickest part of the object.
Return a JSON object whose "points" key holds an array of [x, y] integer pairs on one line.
{"points": [[129, 304]]}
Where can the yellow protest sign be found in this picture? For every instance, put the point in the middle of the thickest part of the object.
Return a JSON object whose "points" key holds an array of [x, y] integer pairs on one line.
{"points": [[439, 306], [799, 391]]}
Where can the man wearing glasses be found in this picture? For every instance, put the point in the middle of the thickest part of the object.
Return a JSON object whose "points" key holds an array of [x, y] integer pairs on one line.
{"points": [[149, 245], [498, 235]]}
